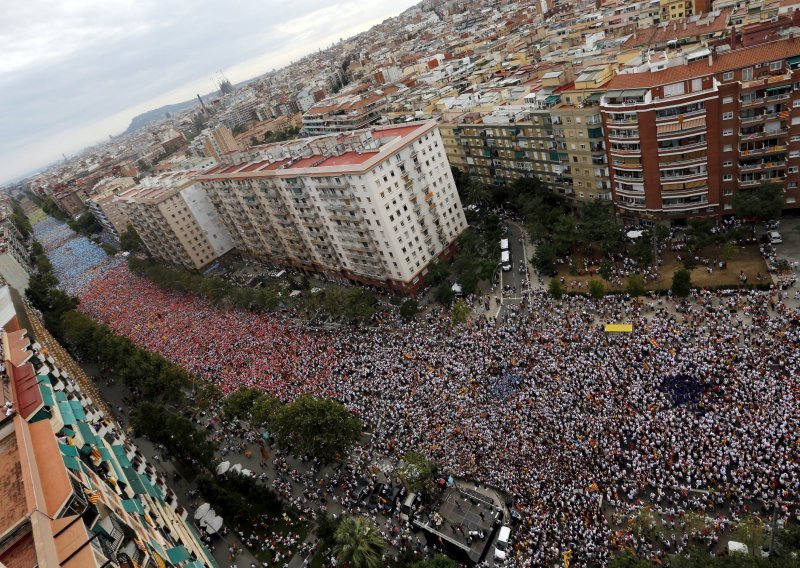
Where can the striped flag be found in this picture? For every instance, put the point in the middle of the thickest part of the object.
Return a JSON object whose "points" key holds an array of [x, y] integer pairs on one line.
{"points": [[93, 496]]}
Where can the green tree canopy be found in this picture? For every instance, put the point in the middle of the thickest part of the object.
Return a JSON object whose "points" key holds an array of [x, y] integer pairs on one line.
{"points": [[596, 289], [758, 204], [635, 285], [461, 312], [358, 543], [240, 404], [555, 289], [682, 283], [437, 561], [443, 294], [418, 472], [322, 427], [409, 309], [130, 241], [182, 438]]}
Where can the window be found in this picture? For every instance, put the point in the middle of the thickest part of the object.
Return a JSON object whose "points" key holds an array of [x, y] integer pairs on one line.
{"points": [[727, 132], [792, 185], [792, 169], [727, 164], [727, 191], [727, 148], [775, 65], [697, 85], [727, 177], [673, 90], [727, 115], [794, 154], [747, 74], [727, 76], [727, 100]]}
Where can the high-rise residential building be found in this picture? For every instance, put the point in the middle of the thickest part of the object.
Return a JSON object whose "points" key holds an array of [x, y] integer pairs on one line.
{"points": [[510, 143], [69, 199], [215, 143], [375, 206], [75, 490], [175, 219], [682, 141], [106, 209], [346, 112]]}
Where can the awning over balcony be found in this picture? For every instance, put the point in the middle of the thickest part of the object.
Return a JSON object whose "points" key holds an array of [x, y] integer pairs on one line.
{"points": [[634, 93], [685, 125], [178, 554]]}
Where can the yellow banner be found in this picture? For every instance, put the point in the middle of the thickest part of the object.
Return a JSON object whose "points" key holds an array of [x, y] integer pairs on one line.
{"points": [[619, 327]]}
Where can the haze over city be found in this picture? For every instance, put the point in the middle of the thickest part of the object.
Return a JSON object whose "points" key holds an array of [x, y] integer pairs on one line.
{"points": [[74, 72]]}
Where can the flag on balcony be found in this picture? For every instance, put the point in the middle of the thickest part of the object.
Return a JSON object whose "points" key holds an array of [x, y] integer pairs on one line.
{"points": [[159, 561], [140, 545], [93, 496]]}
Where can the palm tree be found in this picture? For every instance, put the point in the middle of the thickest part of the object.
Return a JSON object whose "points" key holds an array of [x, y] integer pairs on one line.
{"points": [[358, 543]]}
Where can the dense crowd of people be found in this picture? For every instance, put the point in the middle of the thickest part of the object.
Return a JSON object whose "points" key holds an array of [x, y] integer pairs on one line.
{"points": [[76, 259], [694, 413]]}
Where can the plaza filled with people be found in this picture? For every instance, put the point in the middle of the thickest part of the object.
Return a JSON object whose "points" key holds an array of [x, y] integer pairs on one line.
{"points": [[694, 415]]}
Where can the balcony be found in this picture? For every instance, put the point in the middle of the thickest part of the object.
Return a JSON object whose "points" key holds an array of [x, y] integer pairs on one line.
{"points": [[762, 150], [624, 135], [665, 116], [760, 117], [763, 165], [752, 102], [762, 134], [682, 177], [681, 149]]}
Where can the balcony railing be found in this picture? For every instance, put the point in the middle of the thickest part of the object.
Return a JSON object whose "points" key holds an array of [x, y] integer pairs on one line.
{"points": [[757, 135]]}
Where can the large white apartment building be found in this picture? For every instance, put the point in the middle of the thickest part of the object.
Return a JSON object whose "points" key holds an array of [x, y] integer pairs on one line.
{"points": [[175, 219], [374, 206]]}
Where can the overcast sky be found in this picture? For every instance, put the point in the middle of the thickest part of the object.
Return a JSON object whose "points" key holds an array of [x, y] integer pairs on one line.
{"points": [[74, 71]]}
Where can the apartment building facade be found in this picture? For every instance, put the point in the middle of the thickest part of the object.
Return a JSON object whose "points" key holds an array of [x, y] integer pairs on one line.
{"points": [[214, 143], [75, 490], [346, 113], [373, 207], [560, 143], [106, 209], [681, 142], [175, 220]]}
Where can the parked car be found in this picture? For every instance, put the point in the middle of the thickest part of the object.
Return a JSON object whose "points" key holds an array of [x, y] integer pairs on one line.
{"points": [[775, 237]]}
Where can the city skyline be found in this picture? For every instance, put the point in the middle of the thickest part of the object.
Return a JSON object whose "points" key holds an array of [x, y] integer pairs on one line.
{"points": [[76, 73]]}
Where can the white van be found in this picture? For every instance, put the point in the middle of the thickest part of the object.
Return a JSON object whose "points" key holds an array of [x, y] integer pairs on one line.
{"points": [[407, 507], [503, 244], [505, 260], [501, 545], [775, 237]]}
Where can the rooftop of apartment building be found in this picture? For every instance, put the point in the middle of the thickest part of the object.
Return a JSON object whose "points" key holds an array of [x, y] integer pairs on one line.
{"points": [[680, 29], [158, 186], [335, 153], [714, 63], [350, 103]]}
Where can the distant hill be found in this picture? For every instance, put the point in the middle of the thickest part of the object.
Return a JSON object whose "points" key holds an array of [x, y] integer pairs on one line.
{"points": [[143, 119]]}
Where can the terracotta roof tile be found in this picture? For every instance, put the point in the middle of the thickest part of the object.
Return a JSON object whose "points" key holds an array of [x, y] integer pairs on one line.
{"points": [[737, 59]]}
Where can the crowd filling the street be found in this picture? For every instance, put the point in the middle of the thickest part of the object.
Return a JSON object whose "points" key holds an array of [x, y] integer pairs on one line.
{"points": [[692, 417]]}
